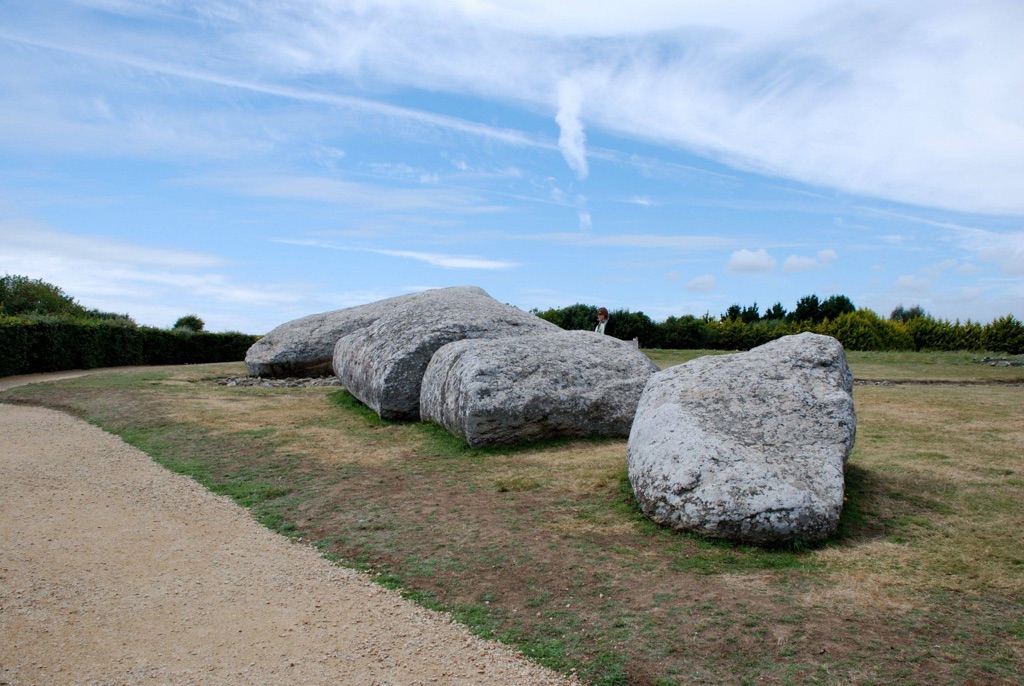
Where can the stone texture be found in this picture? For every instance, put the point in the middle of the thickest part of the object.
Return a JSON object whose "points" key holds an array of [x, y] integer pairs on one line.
{"points": [[305, 347], [563, 383], [748, 447], [383, 364]]}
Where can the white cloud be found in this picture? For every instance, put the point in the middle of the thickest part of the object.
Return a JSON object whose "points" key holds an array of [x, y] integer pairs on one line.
{"points": [[449, 261], [435, 259], [364, 195], [652, 241], [968, 268], [799, 263], [796, 263], [154, 285], [30, 238], [642, 201], [750, 262], [1004, 249], [701, 284], [571, 139], [874, 97]]}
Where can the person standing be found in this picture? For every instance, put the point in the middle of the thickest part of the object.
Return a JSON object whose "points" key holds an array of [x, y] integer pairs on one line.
{"points": [[602, 321]]}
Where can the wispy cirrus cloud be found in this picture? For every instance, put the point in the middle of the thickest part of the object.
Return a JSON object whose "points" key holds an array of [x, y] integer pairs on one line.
{"points": [[343, 192], [118, 275], [25, 238], [443, 260], [652, 241], [1004, 249], [872, 98], [572, 141]]}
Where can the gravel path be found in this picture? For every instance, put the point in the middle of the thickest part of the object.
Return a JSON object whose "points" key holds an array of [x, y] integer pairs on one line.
{"points": [[114, 570]]}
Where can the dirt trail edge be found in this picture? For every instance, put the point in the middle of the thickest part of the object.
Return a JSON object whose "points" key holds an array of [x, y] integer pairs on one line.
{"points": [[115, 570]]}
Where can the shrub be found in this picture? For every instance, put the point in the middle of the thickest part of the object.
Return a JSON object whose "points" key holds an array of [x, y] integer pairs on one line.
{"points": [[865, 330], [190, 322], [1005, 334], [683, 333], [578, 317], [628, 325]]}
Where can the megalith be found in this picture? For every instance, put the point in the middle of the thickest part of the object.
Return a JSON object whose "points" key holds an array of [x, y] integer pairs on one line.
{"points": [[383, 364], [543, 385], [304, 347], [748, 447]]}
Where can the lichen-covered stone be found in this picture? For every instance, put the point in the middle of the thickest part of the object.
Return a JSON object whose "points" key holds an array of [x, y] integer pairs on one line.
{"points": [[545, 385], [383, 364], [748, 447]]}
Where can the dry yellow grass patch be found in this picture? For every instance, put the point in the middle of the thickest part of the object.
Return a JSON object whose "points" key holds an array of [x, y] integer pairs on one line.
{"points": [[946, 470], [303, 420], [577, 469]]}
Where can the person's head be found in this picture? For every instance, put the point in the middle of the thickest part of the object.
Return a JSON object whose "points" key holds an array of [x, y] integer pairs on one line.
{"points": [[602, 313]]}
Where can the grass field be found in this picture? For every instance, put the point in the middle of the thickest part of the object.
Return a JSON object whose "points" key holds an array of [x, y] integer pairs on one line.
{"points": [[542, 547]]}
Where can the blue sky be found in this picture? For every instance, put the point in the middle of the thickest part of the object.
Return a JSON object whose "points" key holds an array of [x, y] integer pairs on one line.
{"points": [[254, 162]]}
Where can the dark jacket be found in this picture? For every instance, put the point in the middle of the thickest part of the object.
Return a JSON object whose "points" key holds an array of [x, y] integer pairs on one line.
{"points": [[609, 326]]}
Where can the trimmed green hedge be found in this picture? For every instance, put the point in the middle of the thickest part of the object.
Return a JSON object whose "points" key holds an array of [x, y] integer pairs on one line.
{"points": [[30, 347]]}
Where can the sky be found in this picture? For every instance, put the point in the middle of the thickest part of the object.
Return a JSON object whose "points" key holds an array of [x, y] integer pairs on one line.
{"points": [[253, 162]]}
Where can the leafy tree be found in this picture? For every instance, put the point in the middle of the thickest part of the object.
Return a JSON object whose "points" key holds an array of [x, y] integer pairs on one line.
{"points": [[835, 305], [750, 315], [629, 325], [776, 311], [191, 322], [578, 317], [683, 333], [900, 314], [806, 309], [20, 295], [747, 315], [111, 318]]}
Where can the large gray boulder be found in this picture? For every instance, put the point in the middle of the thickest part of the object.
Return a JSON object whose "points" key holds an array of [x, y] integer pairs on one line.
{"points": [[562, 383], [383, 364], [748, 447], [304, 347]]}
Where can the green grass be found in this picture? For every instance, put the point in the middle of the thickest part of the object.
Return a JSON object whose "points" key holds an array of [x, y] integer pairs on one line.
{"points": [[895, 366], [543, 547]]}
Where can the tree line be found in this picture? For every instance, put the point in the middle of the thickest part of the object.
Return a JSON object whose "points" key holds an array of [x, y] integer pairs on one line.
{"points": [[43, 329], [37, 300], [744, 327], [28, 301]]}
